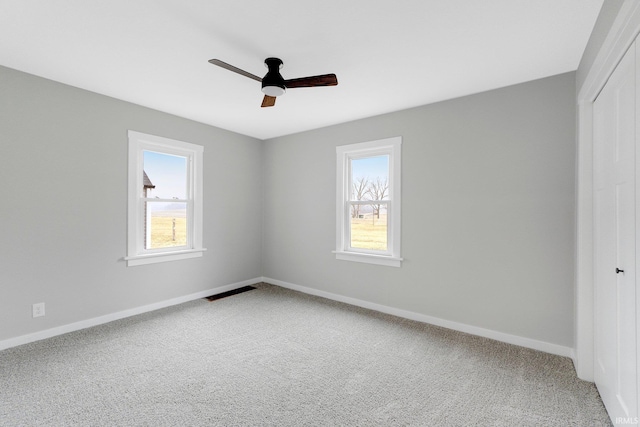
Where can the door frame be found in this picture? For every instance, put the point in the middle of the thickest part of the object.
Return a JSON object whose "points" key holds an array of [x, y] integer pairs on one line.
{"points": [[624, 31]]}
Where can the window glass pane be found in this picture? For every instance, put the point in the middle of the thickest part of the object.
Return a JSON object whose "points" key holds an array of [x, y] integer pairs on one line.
{"points": [[370, 178], [369, 226], [166, 175], [165, 224]]}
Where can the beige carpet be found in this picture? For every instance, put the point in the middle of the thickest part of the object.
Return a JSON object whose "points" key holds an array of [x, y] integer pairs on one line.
{"points": [[274, 357]]}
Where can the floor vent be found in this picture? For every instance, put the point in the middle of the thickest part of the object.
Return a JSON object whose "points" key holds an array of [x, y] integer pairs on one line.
{"points": [[229, 293]]}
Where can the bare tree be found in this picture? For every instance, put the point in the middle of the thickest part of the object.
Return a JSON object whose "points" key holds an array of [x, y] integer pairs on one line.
{"points": [[378, 190], [360, 191]]}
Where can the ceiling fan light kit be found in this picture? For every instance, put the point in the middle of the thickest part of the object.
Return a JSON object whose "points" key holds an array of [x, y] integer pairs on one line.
{"points": [[273, 84]]}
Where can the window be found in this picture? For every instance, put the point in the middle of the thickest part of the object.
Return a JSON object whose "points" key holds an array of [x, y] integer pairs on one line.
{"points": [[165, 200], [368, 202]]}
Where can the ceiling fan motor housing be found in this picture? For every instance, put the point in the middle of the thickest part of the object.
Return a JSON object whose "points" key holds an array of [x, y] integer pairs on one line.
{"points": [[273, 82]]}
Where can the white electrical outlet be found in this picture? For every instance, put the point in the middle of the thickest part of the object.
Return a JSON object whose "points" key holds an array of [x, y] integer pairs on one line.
{"points": [[38, 309]]}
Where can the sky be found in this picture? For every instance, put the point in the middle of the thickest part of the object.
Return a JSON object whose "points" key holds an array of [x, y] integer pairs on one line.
{"points": [[168, 173], [370, 167]]}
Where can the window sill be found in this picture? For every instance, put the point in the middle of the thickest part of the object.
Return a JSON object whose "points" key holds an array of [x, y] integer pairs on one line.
{"points": [[369, 258], [163, 257]]}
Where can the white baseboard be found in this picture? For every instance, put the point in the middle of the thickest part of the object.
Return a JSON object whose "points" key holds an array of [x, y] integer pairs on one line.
{"points": [[71, 327], [474, 330]]}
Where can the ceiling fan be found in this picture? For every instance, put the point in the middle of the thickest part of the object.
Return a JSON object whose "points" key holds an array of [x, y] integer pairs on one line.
{"points": [[273, 84]]}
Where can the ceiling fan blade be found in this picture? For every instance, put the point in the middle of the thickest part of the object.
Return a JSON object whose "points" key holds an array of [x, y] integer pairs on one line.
{"points": [[268, 101], [234, 69], [323, 80]]}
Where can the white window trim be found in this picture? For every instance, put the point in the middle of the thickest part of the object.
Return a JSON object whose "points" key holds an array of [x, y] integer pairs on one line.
{"points": [[136, 253], [388, 146]]}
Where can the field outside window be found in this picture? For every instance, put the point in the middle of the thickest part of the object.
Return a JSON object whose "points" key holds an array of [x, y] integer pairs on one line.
{"points": [[165, 213], [369, 184]]}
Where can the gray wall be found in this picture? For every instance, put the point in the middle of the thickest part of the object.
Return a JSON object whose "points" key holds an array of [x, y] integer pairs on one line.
{"points": [[487, 210], [63, 206], [608, 14]]}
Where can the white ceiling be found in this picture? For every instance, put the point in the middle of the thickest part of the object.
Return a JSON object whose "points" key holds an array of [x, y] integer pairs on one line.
{"points": [[388, 55]]}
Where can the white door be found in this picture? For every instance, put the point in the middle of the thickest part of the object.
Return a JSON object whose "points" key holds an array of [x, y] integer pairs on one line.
{"points": [[615, 238]]}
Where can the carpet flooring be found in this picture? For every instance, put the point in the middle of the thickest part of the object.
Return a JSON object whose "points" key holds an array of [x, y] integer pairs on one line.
{"points": [[275, 357]]}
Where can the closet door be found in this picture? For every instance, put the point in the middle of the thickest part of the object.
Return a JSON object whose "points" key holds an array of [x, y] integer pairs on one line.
{"points": [[615, 239]]}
